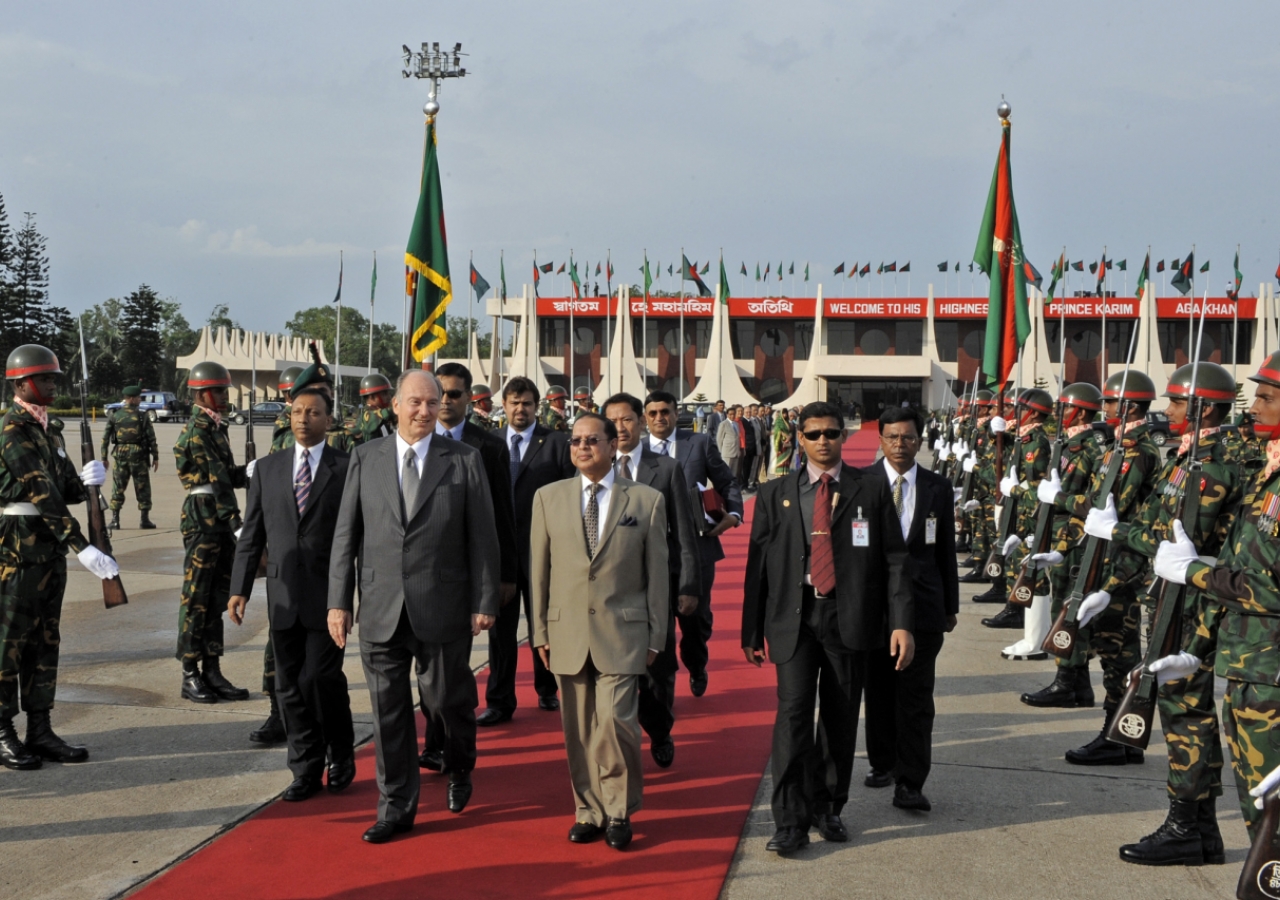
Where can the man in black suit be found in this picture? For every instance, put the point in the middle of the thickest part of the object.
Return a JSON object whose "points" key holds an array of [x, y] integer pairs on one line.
{"points": [[538, 456], [899, 704], [703, 465], [292, 508], [452, 424], [750, 453], [638, 463], [825, 591]]}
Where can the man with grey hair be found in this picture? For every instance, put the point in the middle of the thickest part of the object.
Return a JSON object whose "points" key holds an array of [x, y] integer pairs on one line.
{"points": [[416, 524]]}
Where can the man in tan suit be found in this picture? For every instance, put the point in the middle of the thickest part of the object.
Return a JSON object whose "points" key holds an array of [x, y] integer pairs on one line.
{"points": [[599, 546]]}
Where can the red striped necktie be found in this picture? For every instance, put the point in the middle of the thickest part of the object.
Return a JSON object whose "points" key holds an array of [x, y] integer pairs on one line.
{"points": [[822, 563]]}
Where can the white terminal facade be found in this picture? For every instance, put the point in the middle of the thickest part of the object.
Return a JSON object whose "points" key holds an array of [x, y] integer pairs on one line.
{"points": [[873, 352]]}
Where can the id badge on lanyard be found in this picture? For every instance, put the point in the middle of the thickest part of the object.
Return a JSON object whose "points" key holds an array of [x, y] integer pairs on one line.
{"points": [[861, 531], [931, 530]]}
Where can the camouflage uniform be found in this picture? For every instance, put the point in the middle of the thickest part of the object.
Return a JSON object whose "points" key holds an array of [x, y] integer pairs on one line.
{"points": [[550, 417], [136, 449], [1031, 450], [983, 444], [281, 432], [1240, 612], [33, 569], [480, 419], [370, 424], [209, 522], [337, 437]]}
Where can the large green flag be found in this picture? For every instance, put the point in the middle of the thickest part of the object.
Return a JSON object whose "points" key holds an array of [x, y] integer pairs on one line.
{"points": [[648, 279], [724, 281], [428, 257], [573, 276], [502, 275], [1144, 275], [999, 255]]}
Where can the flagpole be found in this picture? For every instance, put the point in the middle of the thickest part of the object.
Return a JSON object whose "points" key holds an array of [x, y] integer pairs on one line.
{"points": [[404, 320], [1235, 325], [471, 297], [608, 292], [373, 289], [680, 343], [573, 355], [1103, 281], [1191, 318], [337, 338], [1062, 323], [644, 325]]}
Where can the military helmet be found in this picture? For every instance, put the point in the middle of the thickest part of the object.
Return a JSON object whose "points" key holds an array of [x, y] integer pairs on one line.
{"points": [[985, 398], [582, 393], [555, 392], [1269, 373], [1082, 394], [314, 374], [1213, 383], [31, 359], [374, 383], [208, 374], [480, 392], [1037, 399], [133, 390], [288, 377], [1137, 386]]}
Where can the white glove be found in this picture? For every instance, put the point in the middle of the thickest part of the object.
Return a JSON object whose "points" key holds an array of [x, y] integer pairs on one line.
{"points": [[1007, 484], [98, 562], [1011, 543], [1100, 523], [1092, 605], [969, 464], [94, 473], [955, 428], [956, 492], [998, 425], [1171, 668], [944, 449], [1049, 487], [1172, 558], [971, 505], [248, 469], [1046, 560], [961, 448], [1264, 787], [938, 444], [237, 534], [1030, 539]]}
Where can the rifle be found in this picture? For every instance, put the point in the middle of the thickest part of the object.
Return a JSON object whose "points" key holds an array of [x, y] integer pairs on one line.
{"points": [[1134, 716], [994, 567], [251, 446], [113, 593], [1260, 877]]}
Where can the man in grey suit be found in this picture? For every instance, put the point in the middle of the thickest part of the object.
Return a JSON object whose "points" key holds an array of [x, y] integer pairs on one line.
{"points": [[598, 546], [729, 441], [416, 524]]}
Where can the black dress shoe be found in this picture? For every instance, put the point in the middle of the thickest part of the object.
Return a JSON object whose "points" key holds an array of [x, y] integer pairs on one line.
{"points": [[303, 788], [431, 759], [459, 791], [877, 779], [663, 752], [550, 704], [193, 686], [1012, 616], [585, 833], [831, 828], [789, 839], [698, 683], [617, 834], [907, 797], [341, 774], [493, 717], [385, 831]]}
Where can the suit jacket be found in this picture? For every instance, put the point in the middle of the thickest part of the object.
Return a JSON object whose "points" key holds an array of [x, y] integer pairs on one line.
{"points": [[931, 568], [664, 475], [713, 423], [873, 595], [497, 465], [703, 464], [613, 606], [727, 440], [752, 431], [437, 561], [299, 546], [546, 459]]}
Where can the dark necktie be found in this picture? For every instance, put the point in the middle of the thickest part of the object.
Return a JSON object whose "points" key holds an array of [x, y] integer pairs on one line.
{"points": [[822, 564], [515, 463], [624, 468], [302, 482]]}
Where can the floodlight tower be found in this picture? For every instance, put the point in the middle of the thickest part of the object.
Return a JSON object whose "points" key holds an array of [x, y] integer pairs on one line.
{"points": [[434, 63]]}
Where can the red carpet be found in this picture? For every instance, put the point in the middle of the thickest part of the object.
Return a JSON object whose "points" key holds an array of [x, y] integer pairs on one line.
{"points": [[860, 446], [512, 838]]}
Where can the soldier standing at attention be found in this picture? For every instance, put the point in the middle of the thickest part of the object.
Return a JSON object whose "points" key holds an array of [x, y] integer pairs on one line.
{"points": [[37, 481], [314, 375], [553, 415], [210, 519], [281, 430], [376, 418], [582, 402], [481, 414], [136, 450]]}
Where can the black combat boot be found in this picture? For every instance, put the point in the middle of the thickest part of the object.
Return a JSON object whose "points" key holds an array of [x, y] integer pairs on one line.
{"points": [[1102, 752], [115, 520], [146, 520], [972, 562], [1211, 846], [217, 683], [272, 730], [42, 741], [193, 686], [1175, 843], [1010, 617], [964, 545], [977, 576], [12, 754], [994, 595], [1070, 689]]}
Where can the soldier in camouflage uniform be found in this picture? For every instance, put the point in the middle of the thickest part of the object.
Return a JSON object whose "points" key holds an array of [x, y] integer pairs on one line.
{"points": [[281, 429], [551, 413], [582, 402], [482, 414], [136, 452], [338, 437], [37, 482], [1082, 449], [986, 479], [978, 505], [1238, 622], [210, 519], [1111, 609], [1186, 705], [376, 418]]}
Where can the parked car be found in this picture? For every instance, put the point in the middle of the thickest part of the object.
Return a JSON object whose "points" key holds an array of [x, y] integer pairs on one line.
{"points": [[160, 406], [265, 412], [1159, 425]]}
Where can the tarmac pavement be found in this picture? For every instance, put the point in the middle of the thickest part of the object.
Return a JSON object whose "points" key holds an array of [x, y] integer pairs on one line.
{"points": [[1010, 817]]}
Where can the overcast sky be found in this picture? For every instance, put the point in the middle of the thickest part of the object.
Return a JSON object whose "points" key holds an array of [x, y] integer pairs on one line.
{"points": [[224, 153]]}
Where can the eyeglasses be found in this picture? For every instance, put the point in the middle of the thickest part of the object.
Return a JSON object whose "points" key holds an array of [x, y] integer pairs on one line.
{"points": [[831, 434], [454, 393], [590, 440], [899, 438], [657, 413]]}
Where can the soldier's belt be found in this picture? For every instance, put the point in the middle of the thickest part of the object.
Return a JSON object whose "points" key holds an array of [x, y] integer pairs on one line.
{"points": [[202, 489], [19, 509]]}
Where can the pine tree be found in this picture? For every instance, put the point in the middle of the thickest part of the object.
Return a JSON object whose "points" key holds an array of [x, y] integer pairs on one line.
{"points": [[143, 345], [6, 245], [25, 316]]}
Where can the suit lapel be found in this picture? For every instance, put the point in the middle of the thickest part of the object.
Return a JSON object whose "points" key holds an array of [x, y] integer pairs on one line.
{"points": [[647, 471], [617, 504], [924, 503], [536, 440], [434, 467], [849, 486], [387, 474]]}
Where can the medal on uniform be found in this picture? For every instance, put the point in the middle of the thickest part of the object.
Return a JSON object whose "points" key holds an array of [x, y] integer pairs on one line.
{"points": [[1270, 513], [1173, 487], [861, 531], [931, 529]]}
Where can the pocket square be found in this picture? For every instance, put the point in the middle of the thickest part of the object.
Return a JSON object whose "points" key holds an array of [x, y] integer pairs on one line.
{"points": [[627, 520]]}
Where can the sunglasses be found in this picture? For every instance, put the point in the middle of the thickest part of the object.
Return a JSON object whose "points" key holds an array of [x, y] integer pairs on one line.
{"points": [[590, 440], [831, 434], [454, 393]]}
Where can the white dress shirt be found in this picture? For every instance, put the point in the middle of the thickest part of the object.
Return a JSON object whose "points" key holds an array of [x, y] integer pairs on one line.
{"points": [[419, 452], [455, 432], [908, 494], [632, 458], [313, 454], [663, 447], [525, 437], [602, 497]]}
